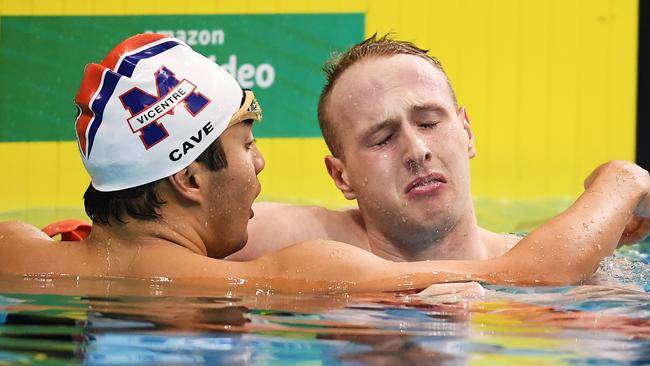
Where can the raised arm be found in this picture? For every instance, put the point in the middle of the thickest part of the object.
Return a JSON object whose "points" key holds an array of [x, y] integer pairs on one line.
{"points": [[613, 210]]}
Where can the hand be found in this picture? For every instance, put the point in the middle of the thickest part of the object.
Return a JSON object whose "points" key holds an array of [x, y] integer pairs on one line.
{"points": [[643, 208], [624, 178], [624, 173], [453, 291], [636, 230]]}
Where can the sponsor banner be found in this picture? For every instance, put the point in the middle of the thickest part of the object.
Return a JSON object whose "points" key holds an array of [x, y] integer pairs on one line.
{"points": [[279, 56]]}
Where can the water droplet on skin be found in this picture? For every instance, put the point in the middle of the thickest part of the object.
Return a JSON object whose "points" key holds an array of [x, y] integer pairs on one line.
{"points": [[599, 247], [385, 155]]}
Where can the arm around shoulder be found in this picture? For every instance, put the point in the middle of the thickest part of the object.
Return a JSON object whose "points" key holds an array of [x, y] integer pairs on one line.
{"points": [[320, 265]]}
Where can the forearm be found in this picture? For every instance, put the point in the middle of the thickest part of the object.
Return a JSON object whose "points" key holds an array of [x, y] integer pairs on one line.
{"points": [[317, 266]]}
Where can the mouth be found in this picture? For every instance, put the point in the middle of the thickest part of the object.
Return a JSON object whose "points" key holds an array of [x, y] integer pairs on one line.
{"points": [[257, 194], [425, 184]]}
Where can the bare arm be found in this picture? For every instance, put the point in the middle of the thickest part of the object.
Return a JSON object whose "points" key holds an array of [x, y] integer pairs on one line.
{"points": [[608, 213]]}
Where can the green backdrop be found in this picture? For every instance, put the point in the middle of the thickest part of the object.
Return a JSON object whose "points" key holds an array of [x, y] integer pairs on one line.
{"points": [[279, 56]]}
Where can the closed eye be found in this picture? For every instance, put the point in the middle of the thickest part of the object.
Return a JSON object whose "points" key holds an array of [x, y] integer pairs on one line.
{"points": [[429, 124], [384, 141]]}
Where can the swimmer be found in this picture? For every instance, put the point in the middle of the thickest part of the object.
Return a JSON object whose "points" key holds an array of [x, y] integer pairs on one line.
{"points": [[166, 136], [400, 145]]}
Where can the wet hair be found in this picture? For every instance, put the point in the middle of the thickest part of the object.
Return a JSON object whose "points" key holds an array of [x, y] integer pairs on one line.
{"points": [[141, 202], [338, 63]]}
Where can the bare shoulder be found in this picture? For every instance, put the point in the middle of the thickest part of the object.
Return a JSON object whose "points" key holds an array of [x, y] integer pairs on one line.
{"points": [[498, 243], [23, 247], [277, 225], [291, 222], [11, 230], [279, 210]]}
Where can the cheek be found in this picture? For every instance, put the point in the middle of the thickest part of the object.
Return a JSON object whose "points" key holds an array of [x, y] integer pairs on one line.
{"points": [[244, 165], [373, 170], [248, 175]]}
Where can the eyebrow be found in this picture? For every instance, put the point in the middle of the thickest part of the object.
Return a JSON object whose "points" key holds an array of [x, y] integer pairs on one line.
{"points": [[428, 107]]}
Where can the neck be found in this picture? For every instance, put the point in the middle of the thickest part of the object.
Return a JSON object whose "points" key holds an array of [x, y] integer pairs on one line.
{"points": [[461, 240], [161, 231]]}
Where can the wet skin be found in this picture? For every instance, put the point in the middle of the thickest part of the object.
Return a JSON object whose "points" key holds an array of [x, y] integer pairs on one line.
{"points": [[231, 192], [406, 150]]}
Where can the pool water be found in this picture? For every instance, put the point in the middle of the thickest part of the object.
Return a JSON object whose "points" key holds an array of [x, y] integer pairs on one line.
{"points": [[48, 320]]}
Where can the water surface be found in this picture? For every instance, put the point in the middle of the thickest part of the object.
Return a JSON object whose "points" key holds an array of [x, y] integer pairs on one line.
{"points": [[49, 320]]}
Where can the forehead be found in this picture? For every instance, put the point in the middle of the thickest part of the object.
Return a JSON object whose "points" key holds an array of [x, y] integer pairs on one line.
{"points": [[378, 88]]}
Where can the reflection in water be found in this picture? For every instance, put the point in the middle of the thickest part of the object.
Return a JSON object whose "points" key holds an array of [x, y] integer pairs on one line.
{"points": [[69, 320]]}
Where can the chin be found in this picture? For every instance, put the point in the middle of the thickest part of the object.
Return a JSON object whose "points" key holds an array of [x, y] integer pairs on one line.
{"points": [[240, 244], [231, 246]]}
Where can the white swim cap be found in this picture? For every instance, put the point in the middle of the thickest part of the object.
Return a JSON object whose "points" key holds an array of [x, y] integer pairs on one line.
{"points": [[151, 108]]}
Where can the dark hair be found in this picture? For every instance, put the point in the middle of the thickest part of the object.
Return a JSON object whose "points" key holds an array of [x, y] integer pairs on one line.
{"points": [[141, 202], [338, 63]]}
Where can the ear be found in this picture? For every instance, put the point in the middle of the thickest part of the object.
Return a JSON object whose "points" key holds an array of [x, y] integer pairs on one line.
{"points": [[188, 182], [471, 148], [336, 170]]}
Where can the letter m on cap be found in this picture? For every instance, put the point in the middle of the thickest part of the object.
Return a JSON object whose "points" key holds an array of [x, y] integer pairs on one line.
{"points": [[146, 109]]}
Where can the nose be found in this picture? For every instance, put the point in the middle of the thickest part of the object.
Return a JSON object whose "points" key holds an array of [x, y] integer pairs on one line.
{"points": [[258, 161], [416, 149]]}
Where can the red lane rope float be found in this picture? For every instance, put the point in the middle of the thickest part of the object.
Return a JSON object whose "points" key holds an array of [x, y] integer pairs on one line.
{"points": [[70, 230]]}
